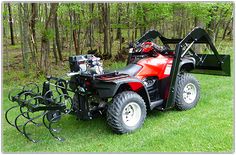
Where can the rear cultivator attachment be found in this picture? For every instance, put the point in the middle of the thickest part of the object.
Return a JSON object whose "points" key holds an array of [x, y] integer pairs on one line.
{"points": [[48, 106]]}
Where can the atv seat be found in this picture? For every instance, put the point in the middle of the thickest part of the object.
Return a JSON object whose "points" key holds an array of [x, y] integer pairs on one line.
{"points": [[131, 69]]}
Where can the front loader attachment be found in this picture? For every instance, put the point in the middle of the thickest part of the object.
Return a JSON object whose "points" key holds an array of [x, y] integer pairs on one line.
{"points": [[37, 108], [213, 64]]}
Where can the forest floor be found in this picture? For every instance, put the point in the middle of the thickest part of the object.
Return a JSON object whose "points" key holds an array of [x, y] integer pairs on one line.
{"points": [[208, 127]]}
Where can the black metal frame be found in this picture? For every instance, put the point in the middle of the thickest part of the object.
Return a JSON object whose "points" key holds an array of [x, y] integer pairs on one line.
{"points": [[196, 36], [47, 103]]}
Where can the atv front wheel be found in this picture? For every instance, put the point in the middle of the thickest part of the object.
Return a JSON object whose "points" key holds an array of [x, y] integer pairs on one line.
{"points": [[127, 112], [188, 92]]}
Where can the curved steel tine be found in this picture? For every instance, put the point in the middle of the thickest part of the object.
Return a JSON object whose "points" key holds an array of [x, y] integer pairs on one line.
{"points": [[23, 114], [71, 104], [10, 96], [28, 117], [66, 97], [24, 127], [31, 83], [68, 110], [24, 94], [47, 92], [6, 115], [27, 114], [29, 101], [16, 125], [56, 85], [47, 126], [50, 129]]}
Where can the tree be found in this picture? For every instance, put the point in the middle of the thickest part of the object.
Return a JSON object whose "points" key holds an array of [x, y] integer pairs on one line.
{"points": [[11, 24], [32, 32], [24, 35], [57, 36], [76, 32], [45, 47], [106, 24], [119, 13], [91, 26]]}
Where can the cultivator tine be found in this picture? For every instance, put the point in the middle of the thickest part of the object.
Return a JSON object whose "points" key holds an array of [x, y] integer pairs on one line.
{"points": [[6, 115], [33, 105], [52, 131], [31, 87], [17, 126], [28, 117], [19, 96], [47, 126], [13, 93], [24, 127], [55, 119]]}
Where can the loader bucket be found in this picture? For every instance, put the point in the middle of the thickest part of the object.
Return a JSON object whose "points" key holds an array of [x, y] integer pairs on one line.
{"points": [[208, 64]]}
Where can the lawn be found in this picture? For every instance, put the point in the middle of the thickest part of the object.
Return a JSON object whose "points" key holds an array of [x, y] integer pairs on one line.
{"points": [[208, 127]]}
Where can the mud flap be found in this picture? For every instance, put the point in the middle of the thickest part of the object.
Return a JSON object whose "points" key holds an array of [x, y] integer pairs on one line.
{"points": [[208, 64]]}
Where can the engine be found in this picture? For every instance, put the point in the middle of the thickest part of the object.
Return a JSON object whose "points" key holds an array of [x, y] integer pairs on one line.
{"points": [[86, 64]]}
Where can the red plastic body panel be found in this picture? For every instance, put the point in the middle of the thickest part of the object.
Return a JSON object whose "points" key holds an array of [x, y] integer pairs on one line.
{"points": [[159, 66], [135, 85]]}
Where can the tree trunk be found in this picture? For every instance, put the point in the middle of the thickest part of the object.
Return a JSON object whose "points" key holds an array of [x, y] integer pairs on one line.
{"points": [[76, 33], [32, 39], [106, 53], [5, 7], [110, 31], [21, 28], [34, 14], [100, 30], [45, 40], [100, 19], [55, 51], [11, 24], [144, 22], [128, 21], [135, 33], [71, 30], [91, 27], [24, 35], [226, 28], [119, 11], [57, 35]]}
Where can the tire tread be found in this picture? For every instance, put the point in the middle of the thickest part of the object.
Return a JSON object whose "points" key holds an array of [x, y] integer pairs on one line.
{"points": [[114, 110]]}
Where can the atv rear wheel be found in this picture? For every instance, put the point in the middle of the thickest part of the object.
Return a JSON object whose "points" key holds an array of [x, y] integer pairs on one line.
{"points": [[188, 92], [127, 112]]}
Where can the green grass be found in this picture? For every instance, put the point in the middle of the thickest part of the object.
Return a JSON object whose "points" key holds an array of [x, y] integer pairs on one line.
{"points": [[206, 128]]}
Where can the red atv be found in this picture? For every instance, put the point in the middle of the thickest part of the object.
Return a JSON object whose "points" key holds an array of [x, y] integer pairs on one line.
{"points": [[155, 77]]}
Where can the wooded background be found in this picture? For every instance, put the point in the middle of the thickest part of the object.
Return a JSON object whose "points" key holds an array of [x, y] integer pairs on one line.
{"points": [[47, 33]]}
